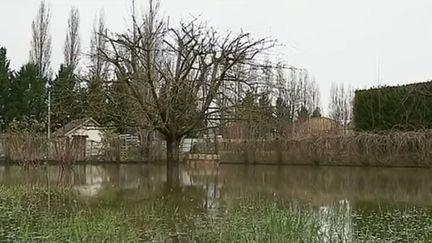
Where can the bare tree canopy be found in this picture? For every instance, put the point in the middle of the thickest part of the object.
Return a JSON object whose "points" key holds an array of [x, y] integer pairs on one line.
{"points": [[298, 91], [340, 105], [72, 44], [175, 75], [98, 43], [40, 52]]}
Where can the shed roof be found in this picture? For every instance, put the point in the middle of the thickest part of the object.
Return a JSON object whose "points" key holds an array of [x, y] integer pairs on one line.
{"points": [[74, 124]]}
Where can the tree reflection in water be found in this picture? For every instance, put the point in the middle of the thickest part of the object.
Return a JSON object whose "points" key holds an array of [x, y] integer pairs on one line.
{"points": [[344, 199]]}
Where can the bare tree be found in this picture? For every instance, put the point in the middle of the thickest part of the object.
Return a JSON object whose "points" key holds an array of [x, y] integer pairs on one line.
{"points": [[72, 44], [310, 96], [314, 93], [98, 66], [40, 52], [293, 94], [175, 75], [340, 105]]}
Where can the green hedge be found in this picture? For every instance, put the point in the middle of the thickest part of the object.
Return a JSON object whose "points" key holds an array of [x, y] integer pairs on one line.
{"points": [[407, 107]]}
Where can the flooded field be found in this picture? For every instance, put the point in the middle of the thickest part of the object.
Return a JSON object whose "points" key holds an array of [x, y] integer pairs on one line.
{"points": [[217, 204]]}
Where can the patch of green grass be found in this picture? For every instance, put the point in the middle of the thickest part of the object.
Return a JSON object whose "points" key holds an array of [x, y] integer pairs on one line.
{"points": [[27, 216]]}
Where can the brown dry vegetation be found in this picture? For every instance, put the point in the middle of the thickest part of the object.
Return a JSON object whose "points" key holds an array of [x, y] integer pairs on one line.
{"points": [[68, 151], [25, 148], [360, 149], [363, 149]]}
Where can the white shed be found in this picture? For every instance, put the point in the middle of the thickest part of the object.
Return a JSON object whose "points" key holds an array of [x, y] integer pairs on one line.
{"points": [[87, 128]]}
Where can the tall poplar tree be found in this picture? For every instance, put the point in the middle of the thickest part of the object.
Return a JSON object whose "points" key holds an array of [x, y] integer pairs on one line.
{"points": [[40, 52], [72, 46]]}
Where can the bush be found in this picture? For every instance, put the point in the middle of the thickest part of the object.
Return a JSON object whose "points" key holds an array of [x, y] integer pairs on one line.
{"points": [[405, 108]]}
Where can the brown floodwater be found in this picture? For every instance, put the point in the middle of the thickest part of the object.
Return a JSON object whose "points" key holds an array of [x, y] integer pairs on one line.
{"points": [[368, 202], [315, 185]]}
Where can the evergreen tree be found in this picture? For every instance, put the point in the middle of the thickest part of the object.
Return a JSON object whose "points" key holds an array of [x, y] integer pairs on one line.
{"points": [[96, 100], [27, 95], [118, 112], [282, 111], [265, 115], [316, 112], [5, 79], [249, 110], [248, 107], [303, 113], [64, 98]]}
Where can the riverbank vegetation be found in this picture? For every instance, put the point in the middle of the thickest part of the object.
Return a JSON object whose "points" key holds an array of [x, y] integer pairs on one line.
{"points": [[394, 149], [411, 149]]}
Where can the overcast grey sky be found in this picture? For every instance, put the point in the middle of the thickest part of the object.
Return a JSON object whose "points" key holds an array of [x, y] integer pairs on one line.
{"points": [[336, 40]]}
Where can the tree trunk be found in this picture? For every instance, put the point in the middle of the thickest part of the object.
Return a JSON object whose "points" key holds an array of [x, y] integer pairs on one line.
{"points": [[173, 150], [173, 159]]}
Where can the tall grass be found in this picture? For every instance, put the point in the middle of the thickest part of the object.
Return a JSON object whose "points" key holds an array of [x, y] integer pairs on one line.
{"points": [[365, 149]]}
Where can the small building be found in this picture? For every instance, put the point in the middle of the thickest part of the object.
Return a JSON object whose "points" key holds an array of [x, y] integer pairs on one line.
{"points": [[317, 126], [87, 131]]}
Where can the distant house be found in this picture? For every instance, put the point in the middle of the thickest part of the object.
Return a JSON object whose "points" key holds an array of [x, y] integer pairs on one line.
{"points": [[236, 130], [316, 126], [87, 130]]}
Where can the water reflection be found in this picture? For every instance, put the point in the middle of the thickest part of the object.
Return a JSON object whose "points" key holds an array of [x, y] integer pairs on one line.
{"points": [[335, 222], [319, 186], [345, 198]]}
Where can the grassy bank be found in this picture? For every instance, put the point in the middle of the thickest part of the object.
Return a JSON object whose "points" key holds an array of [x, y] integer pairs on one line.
{"points": [[27, 216]]}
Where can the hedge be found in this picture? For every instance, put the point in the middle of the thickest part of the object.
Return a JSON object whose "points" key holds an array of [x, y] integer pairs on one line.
{"points": [[406, 108]]}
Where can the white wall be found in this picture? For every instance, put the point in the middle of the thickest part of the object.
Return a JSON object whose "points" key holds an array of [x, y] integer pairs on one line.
{"points": [[93, 141], [92, 134]]}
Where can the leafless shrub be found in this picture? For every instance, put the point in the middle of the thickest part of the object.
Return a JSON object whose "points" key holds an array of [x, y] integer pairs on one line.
{"points": [[25, 148], [68, 150]]}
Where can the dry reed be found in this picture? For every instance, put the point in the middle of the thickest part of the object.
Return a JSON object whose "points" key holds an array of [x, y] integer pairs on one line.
{"points": [[385, 149]]}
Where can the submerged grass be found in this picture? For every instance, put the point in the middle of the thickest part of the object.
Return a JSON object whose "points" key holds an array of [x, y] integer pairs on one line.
{"points": [[26, 217], [181, 217]]}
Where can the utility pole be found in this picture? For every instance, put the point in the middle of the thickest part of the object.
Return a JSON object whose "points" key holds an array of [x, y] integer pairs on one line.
{"points": [[49, 124], [48, 148]]}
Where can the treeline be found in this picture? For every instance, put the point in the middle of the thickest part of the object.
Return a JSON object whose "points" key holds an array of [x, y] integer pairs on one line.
{"points": [[278, 96], [285, 95], [77, 92], [73, 91], [254, 93]]}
